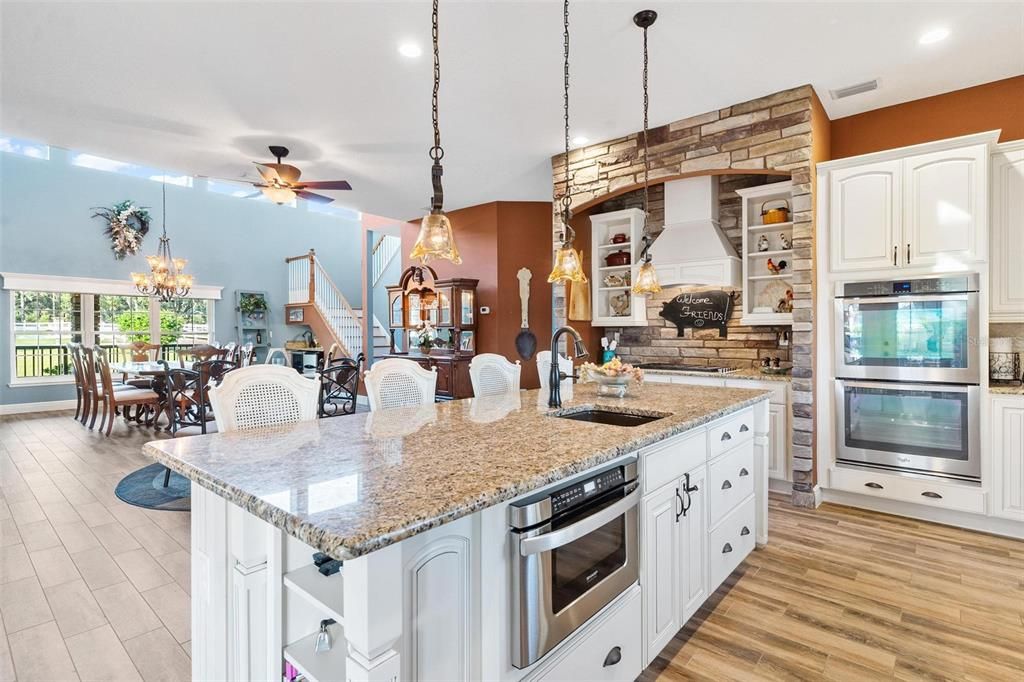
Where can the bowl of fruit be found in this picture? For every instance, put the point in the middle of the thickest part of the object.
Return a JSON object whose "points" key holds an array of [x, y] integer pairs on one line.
{"points": [[613, 378]]}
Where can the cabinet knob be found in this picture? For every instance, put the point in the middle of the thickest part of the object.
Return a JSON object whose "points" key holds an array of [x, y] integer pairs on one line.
{"points": [[744, 531], [726, 484], [726, 436], [727, 548], [744, 428], [872, 484], [613, 657], [929, 493], [744, 472]]}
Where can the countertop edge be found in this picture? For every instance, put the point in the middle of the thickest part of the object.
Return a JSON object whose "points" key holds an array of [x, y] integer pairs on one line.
{"points": [[339, 548], [740, 375]]}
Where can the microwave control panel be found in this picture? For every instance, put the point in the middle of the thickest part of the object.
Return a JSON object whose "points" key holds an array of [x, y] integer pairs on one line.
{"points": [[584, 490], [906, 287]]}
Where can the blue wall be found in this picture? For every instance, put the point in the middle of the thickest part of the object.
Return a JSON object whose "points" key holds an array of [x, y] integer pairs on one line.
{"points": [[45, 228]]}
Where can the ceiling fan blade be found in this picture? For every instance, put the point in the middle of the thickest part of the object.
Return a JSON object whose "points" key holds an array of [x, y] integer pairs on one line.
{"points": [[252, 196], [317, 198], [288, 173], [327, 184], [267, 172]]}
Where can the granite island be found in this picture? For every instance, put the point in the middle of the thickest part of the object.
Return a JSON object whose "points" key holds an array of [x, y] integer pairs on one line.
{"points": [[415, 502]]}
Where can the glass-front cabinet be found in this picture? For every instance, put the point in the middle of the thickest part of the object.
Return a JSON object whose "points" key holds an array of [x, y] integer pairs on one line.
{"points": [[449, 305]]}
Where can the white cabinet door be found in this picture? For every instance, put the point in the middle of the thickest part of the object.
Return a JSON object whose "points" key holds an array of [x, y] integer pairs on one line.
{"points": [[660, 540], [778, 442], [944, 215], [1008, 457], [1007, 224], [693, 544], [865, 216]]}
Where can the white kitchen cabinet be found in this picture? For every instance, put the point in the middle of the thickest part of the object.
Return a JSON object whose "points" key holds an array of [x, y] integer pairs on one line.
{"points": [[660, 530], [865, 215], [693, 544], [945, 207], [1008, 457], [923, 207], [1006, 300]]}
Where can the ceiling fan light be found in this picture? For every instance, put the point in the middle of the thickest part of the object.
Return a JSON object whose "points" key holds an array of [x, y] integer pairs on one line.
{"points": [[646, 280], [279, 195], [435, 240], [568, 266]]}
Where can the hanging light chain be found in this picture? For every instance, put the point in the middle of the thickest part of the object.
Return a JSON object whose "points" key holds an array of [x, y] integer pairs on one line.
{"points": [[566, 200], [647, 160], [436, 152]]}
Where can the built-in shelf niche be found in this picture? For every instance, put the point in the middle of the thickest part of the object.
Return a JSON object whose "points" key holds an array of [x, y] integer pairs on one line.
{"points": [[762, 288]]}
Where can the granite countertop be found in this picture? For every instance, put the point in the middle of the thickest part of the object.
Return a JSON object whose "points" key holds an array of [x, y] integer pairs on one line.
{"points": [[751, 373], [1006, 389], [351, 485]]}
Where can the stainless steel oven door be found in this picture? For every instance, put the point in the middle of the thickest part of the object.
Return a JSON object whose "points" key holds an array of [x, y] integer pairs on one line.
{"points": [[909, 338], [917, 428], [566, 571]]}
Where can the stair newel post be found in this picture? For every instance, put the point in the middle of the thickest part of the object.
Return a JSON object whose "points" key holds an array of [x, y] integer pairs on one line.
{"points": [[312, 276]]}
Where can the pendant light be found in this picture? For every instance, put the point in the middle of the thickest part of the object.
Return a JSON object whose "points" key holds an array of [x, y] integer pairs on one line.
{"points": [[435, 239], [646, 279], [166, 279], [568, 264]]}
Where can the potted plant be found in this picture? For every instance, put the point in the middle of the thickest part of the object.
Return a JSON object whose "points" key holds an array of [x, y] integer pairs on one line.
{"points": [[253, 306], [426, 337]]}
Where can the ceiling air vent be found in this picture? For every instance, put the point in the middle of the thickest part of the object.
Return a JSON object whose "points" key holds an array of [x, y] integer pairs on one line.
{"points": [[850, 90]]}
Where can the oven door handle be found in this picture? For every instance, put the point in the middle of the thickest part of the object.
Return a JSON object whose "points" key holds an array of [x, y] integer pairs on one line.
{"points": [[903, 386], [909, 298], [563, 536]]}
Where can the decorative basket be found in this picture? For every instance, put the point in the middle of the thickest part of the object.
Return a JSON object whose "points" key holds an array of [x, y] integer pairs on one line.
{"points": [[778, 214]]}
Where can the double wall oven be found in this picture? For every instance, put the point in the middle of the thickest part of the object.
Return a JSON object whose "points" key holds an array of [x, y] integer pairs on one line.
{"points": [[574, 551], [908, 367]]}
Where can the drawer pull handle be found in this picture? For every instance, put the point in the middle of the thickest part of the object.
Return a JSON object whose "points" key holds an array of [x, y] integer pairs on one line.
{"points": [[929, 493], [613, 657], [872, 484], [744, 428], [726, 484], [726, 436], [727, 548], [744, 472], [744, 531]]}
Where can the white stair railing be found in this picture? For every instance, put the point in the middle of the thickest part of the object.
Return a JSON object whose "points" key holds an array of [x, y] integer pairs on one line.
{"points": [[384, 251], [319, 289]]}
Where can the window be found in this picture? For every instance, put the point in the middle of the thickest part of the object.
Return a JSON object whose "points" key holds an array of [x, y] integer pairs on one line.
{"points": [[104, 164], [35, 150], [44, 322], [183, 323]]}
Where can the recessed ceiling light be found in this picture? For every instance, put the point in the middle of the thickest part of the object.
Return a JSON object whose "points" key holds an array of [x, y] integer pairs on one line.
{"points": [[935, 35], [410, 50], [580, 140]]}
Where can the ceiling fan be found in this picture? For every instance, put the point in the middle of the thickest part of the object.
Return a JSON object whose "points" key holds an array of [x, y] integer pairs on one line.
{"points": [[281, 181]]}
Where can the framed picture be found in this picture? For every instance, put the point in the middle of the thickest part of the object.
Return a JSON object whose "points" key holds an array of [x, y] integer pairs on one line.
{"points": [[295, 314], [467, 342]]}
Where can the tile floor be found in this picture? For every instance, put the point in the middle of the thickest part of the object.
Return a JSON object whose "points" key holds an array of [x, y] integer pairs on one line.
{"points": [[91, 588]]}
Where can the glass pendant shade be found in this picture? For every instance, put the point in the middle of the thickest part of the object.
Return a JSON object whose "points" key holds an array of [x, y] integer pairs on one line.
{"points": [[568, 266], [646, 280], [435, 240], [279, 195]]}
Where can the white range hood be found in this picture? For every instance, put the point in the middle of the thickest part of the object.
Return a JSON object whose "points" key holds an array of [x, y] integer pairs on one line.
{"points": [[692, 250]]}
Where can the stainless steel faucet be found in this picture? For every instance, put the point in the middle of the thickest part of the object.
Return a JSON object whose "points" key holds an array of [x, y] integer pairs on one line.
{"points": [[556, 375]]}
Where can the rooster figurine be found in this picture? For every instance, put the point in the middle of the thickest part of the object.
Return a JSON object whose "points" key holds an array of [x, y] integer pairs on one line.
{"points": [[776, 268]]}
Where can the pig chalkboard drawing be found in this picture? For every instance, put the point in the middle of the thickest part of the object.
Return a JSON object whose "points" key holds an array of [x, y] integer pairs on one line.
{"points": [[699, 310]]}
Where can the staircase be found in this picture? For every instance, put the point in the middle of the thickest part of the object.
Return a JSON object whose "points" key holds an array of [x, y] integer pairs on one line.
{"points": [[323, 307], [381, 340], [384, 251]]}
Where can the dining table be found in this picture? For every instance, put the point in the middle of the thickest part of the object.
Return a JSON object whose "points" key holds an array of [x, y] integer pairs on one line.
{"points": [[157, 372]]}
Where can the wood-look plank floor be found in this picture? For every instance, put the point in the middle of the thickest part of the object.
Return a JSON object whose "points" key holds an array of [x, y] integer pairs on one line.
{"points": [[846, 594]]}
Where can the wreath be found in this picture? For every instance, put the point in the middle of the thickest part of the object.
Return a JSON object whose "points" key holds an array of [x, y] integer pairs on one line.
{"points": [[127, 224]]}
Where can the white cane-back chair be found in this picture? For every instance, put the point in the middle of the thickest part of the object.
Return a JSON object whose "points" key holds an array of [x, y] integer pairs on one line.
{"points": [[274, 354], [263, 395], [544, 369], [399, 383], [493, 374]]}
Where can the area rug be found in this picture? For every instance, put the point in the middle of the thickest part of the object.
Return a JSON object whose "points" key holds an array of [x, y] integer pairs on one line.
{"points": [[145, 488]]}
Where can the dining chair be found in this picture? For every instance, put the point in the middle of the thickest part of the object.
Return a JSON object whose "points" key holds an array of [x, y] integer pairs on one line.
{"points": [[333, 353], [395, 382], [273, 354], [112, 400], [92, 387], [544, 371], [202, 352], [229, 349], [81, 397], [339, 386], [246, 354], [139, 351], [493, 374], [263, 395]]}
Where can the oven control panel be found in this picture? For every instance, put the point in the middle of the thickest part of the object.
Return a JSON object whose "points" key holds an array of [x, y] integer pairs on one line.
{"points": [[574, 495], [905, 287]]}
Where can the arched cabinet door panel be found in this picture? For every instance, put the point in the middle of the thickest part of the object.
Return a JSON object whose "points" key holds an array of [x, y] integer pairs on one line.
{"points": [[864, 216]]}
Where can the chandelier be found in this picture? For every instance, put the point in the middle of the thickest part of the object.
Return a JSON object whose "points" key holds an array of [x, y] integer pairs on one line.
{"points": [[568, 263], [435, 239], [167, 279], [646, 279]]}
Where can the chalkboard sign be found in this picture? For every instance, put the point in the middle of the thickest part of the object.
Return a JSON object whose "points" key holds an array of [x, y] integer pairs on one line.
{"points": [[700, 310]]}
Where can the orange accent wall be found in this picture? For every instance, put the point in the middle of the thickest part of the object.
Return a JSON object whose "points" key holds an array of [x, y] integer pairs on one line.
{"points": [[495, 240], [991, 106]]}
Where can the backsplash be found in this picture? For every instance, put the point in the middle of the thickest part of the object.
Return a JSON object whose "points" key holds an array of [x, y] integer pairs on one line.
{"points": [[659, 341]]}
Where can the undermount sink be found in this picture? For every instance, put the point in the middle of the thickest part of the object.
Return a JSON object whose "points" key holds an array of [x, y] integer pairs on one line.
{"points": [[610, 417]]}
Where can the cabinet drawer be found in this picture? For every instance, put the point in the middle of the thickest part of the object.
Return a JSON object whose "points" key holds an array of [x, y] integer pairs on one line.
{"points": [[905, 489], [731, 542], [669, 460], [730, 481], [609, 648], [777, 388], [731, 431]]}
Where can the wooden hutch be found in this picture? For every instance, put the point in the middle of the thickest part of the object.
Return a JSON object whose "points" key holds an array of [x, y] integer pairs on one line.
{"points": [[450, 306]]}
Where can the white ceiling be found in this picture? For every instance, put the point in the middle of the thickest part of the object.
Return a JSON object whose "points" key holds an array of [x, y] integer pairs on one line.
{"points": [[203, 87]]}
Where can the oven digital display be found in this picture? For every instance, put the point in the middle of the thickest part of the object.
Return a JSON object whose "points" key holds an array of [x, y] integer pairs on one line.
{"points": [[588, 487], [901, 287]]}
